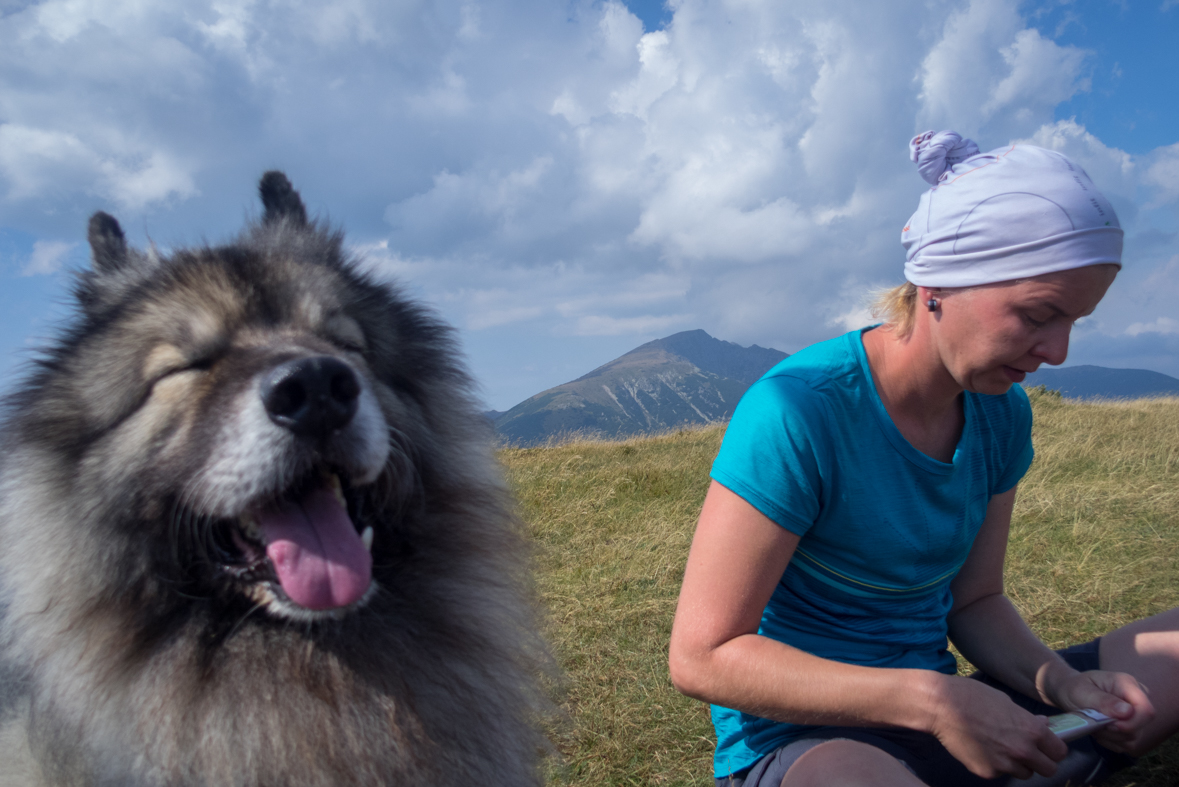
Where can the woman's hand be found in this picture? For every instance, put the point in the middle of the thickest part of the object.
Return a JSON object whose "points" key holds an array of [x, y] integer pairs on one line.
{"points": [[990, 734], [1117, 695]]}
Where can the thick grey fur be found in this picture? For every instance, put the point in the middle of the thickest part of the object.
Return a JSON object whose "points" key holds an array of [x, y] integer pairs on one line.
{"points": [[128, 658]]}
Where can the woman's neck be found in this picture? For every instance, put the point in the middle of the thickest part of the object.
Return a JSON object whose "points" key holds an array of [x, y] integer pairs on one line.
{"points": [[922, 398]]}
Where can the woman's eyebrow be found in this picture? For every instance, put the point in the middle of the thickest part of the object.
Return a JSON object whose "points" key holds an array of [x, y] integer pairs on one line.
{"points": [[1059, 312]]}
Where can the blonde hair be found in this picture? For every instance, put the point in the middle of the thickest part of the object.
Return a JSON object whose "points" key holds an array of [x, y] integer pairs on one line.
{"points": [[897, 307]]}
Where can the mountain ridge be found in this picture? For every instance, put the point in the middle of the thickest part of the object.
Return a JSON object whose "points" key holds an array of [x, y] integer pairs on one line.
{"points": [[691, 378], [1085, 381], [687, 378]]}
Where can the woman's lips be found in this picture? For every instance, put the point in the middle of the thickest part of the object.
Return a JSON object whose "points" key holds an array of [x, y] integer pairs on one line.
{"points": [[1013, 374]]}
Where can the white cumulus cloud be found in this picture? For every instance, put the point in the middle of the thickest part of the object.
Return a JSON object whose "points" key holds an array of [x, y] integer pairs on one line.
{"points": [[989, 73], [548, 174], [1161, 325], [48, 257], [39, 162], [1163, 173]]}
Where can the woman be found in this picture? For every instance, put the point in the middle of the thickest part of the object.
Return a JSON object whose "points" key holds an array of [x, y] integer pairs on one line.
{"points": [[860, 507]]}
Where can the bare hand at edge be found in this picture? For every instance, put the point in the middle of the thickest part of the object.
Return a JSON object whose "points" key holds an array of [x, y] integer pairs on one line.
{"points": [[991, 735]]}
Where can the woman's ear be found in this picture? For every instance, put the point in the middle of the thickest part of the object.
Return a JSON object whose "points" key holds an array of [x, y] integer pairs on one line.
{"points": [[930, 297]]}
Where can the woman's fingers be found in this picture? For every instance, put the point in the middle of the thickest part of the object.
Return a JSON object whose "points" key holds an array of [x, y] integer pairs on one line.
{"points": [[1116, 694], [1050, 750], [1133, 705], [991, 735]]}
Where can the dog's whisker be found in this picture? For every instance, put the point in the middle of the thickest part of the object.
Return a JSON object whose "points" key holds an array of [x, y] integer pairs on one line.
{"points": [[242, 619]]}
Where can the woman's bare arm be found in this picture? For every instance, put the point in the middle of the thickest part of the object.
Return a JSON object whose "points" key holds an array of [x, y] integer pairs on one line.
{"points": [[983, 623], [737, 557], [991, 634]]}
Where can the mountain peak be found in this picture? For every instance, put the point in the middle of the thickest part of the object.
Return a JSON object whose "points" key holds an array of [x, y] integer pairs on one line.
{"points": [[686, 378], [724, 359]]}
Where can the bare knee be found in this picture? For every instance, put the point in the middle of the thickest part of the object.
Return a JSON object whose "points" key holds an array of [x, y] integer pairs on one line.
{"points": [[1149, 650], [845, 763]]}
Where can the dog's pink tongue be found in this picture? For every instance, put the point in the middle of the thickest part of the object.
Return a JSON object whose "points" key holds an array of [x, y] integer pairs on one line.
{"points": [[320, 560]]}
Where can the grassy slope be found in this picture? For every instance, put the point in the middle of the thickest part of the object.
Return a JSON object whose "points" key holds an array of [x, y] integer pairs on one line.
{"points": [[1095, 544]]}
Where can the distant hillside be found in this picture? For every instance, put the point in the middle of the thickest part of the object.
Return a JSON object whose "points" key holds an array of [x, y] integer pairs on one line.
{"points": [[686, 378], [1089, 382]]}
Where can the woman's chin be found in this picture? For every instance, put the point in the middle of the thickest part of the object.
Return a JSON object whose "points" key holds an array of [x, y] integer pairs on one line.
{"points": [[994, 382]]}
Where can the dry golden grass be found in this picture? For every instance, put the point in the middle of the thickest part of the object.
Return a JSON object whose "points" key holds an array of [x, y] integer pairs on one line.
{"points": [[1094, 545], [1095, 537]]}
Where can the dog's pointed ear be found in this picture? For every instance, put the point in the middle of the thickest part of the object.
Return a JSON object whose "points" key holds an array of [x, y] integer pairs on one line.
{"points": [[107, 243], [117, 267], [281, 200]]}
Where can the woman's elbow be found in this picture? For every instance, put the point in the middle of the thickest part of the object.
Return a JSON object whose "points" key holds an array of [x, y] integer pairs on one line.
{"points": [[688, 672]]}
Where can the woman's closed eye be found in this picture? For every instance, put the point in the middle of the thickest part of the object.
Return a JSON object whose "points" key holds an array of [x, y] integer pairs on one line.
{"points": [[1034, 322]]}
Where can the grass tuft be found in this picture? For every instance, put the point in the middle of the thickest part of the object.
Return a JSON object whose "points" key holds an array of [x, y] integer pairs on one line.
{"points": [[1094, 545]]}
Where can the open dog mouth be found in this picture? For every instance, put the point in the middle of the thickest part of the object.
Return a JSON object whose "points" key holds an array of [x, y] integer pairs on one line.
{"points": [[307, 547]]}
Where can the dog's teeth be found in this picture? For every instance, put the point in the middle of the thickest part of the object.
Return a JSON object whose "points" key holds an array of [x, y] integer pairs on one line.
{"points": [[337, 489], [367, 538], [249, 525]]}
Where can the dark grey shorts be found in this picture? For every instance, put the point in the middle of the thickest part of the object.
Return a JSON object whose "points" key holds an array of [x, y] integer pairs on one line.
{"points": [[1087, 762]]}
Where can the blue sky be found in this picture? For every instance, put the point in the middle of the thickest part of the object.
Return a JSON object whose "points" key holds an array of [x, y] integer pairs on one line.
{"points": [[564, 180]]}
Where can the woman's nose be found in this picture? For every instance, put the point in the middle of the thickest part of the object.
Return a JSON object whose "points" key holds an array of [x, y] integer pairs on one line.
{"points": [[1053, 343]]}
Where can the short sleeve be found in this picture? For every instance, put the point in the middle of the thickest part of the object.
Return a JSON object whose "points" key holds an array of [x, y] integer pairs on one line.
{"points": [[1021, 451], [770, 455]]}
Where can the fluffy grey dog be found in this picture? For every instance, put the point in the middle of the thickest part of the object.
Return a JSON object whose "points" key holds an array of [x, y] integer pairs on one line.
{"points": [[251, 533]]}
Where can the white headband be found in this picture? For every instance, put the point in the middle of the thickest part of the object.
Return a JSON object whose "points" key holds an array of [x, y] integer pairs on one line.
{"points": [[1008, 214]]}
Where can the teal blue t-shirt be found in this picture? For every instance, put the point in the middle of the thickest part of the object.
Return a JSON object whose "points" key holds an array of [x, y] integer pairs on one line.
{"points": [[883, 527]]}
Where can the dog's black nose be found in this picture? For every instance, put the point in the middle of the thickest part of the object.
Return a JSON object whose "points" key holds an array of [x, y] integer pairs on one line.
{"points": [[312, 397]]}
